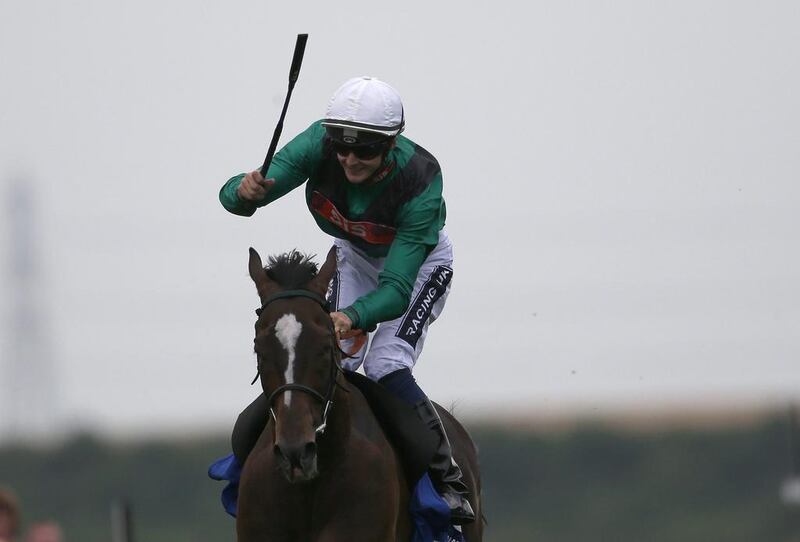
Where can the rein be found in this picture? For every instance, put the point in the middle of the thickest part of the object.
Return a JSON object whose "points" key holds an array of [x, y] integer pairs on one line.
{"points": [[326, 399]]}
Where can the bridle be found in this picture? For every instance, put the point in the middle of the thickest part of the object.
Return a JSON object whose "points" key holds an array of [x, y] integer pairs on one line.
{"points": [[326, 399]]}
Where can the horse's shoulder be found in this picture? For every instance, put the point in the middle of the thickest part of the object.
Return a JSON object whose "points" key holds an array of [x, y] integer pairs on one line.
{"points": [[364, 421]]}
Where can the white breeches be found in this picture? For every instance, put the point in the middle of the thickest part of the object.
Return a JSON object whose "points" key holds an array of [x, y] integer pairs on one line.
{"points": [[395, 344]]}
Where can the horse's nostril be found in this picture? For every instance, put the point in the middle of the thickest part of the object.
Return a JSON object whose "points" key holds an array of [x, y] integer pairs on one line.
{"points": [[310, 449], [278, 452]]}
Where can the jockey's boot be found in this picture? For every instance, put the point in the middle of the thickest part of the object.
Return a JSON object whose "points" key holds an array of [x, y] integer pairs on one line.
{"points": [[444, 470], [248, 428]]}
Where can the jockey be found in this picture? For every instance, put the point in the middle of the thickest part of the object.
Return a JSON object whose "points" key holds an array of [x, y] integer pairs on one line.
{"points": [[380, 196]]}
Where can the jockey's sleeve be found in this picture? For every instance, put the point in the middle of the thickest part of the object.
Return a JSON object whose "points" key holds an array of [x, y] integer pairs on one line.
{"points": [[419, 222], [291, 166]]}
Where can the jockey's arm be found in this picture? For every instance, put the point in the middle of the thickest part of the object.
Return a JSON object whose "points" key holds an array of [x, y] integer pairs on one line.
{"points": [[418, 233], [290, 167]]}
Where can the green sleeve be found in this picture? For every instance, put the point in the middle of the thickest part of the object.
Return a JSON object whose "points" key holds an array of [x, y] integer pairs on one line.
{"points": [[418, 232], [290, 167]]}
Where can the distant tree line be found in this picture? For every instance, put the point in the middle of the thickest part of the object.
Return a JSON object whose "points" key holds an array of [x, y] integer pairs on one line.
{"points": [[590, 483]]}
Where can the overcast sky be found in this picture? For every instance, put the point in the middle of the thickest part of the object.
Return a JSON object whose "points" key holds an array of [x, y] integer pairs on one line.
{"points": [[621, 181]]}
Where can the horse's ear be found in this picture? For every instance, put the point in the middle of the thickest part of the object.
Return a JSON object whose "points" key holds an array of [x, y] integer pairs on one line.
{"points": [[323, 278], [263, 283]]}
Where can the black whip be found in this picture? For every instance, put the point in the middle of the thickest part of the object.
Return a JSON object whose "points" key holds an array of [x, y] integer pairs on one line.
{"points": [[294, 72]]}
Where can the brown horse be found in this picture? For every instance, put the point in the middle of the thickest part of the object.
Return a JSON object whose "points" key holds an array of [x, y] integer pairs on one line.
{"points": [[323, 469]]}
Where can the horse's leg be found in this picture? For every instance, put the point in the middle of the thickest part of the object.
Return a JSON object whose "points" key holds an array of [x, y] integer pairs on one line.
{"points": [[474, 531], [364, 498], [361, 531], [368, 520], [372, 511], [367, 517]]}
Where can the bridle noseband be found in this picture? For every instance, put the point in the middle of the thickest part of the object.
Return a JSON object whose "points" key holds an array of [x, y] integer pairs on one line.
{"points": [[327, 399]]}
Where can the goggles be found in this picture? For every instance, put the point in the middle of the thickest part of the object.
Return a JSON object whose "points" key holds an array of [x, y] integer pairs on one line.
{"points": [[362, 152]]}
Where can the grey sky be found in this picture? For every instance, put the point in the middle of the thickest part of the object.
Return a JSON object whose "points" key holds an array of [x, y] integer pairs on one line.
{"points": [[621, 181]]}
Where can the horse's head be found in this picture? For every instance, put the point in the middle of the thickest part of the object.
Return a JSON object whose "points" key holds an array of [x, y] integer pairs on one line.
{"points": [[298, 359]]}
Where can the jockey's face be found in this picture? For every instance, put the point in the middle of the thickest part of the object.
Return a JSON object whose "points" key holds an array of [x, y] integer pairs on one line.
{"points": [[357, 170]]}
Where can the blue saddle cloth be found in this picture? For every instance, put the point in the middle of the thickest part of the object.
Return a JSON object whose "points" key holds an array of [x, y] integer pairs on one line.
{"points": [[428, 510], [227, 469]]}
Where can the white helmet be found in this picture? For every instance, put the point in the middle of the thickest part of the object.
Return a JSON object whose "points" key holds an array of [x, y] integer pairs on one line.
{"points": [[364, 110]]}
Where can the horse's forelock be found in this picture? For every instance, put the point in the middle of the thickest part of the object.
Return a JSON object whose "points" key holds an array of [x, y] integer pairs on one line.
{"points": [[291, 269]]}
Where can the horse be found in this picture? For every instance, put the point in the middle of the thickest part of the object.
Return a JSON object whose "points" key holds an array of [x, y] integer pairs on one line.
{"points": [[322, 470]]}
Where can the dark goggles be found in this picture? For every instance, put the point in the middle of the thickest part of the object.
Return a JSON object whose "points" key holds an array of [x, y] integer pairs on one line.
{"points": [[362, 152]]}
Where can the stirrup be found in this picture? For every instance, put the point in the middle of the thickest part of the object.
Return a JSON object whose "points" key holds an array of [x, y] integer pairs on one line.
{"points": [[461, 511]]}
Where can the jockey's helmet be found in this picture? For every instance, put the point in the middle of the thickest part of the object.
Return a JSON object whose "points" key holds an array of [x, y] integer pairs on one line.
{"points": [[363, 111]]}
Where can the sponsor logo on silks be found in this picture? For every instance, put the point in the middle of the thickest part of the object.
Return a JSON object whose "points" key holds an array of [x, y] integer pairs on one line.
{"points": [[411, 327], [370, 232]]}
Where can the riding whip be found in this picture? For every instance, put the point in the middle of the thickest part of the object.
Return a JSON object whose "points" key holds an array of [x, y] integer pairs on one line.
{"points": [[294, 72]]}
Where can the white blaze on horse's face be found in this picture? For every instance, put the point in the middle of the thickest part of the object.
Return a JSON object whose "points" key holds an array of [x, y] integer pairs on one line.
{"points": [[287, 330]]}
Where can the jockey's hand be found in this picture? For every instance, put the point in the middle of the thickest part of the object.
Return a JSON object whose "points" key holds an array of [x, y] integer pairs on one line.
{"points": [[343, 326], [254, 187]]}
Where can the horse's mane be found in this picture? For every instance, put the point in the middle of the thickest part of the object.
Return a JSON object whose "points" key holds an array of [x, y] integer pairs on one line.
{"points": [[291, 269]]}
